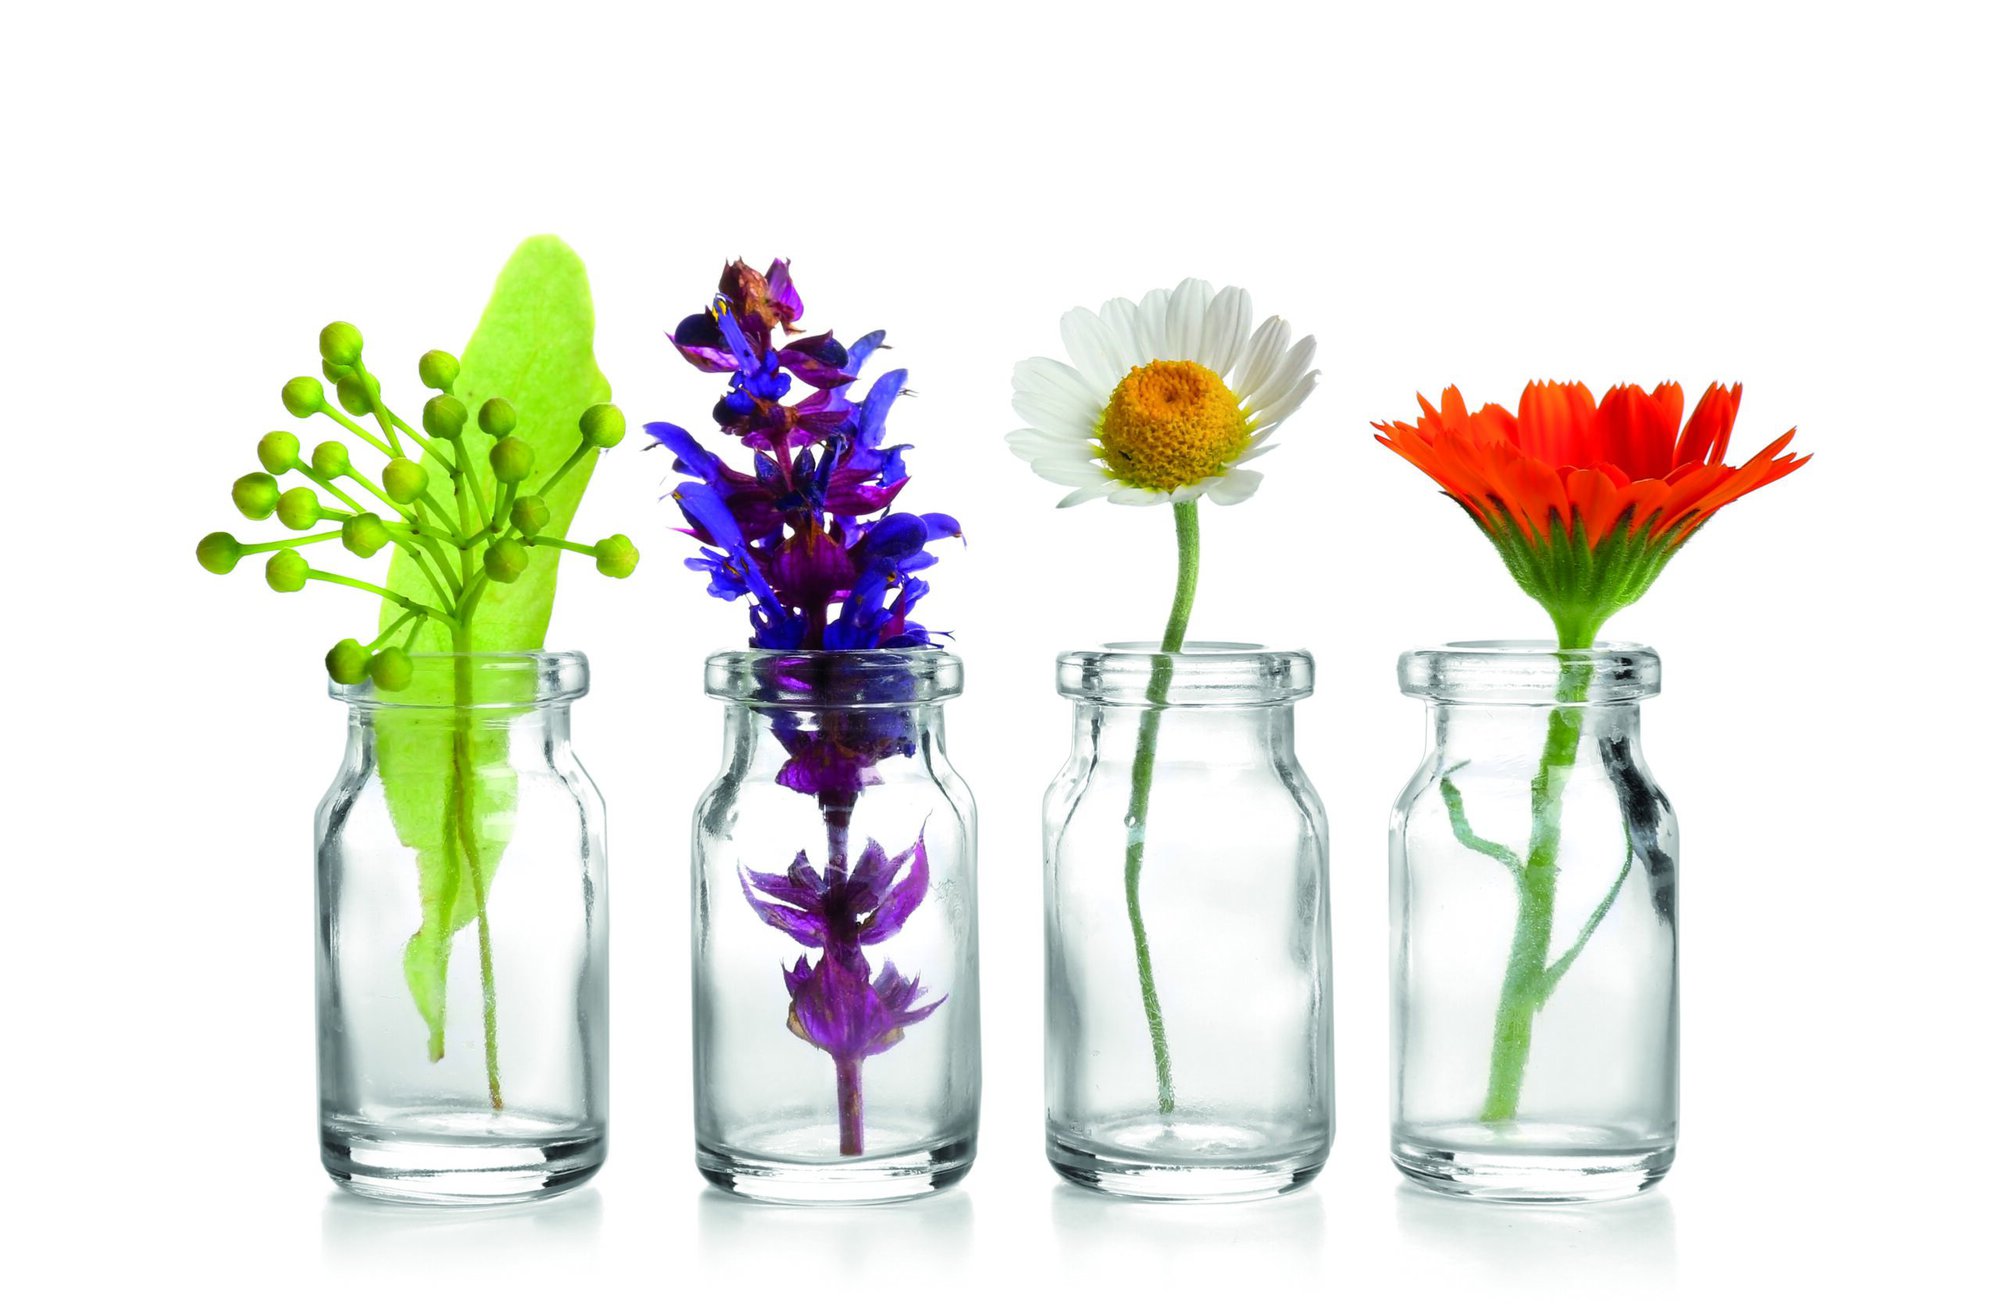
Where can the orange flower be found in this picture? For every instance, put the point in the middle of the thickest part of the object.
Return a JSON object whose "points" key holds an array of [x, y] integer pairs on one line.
{"points": [[1587, 501]]}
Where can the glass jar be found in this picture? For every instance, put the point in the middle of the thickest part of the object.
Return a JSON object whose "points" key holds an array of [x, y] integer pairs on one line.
{"points": [[1189, 1025], [462, 968], [836, 967], [1532, 879]]}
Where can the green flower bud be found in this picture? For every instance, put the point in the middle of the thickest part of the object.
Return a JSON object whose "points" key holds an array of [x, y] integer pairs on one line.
{"points": [[506, 560], [438, 369], [364, 534], [218, 552], [353, 393], [512, 458], [444, 417], [529, 515], [404, 481], [496, 417], [617, 556], [334, 372], [255, 494], [286, 571], [278, 452], [602, 425], [391, 669], [340, 343], [347, 662], [330, 460], [303, 397], [298, 508]]}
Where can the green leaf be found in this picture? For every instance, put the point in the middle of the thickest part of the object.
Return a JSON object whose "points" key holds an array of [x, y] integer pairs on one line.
{"points": [[445, 774], [532, 349]]}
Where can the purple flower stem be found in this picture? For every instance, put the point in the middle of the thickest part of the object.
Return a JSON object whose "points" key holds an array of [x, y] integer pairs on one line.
{"points": [[847, 1080]]}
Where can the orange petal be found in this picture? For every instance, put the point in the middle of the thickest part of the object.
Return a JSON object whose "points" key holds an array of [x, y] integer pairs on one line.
{"points": [[1705, 440]]}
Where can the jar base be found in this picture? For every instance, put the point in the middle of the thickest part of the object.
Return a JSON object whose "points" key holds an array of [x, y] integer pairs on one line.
{"points": [[459, 1158], [885, 1179], [1530, 1163], [1187, 1161]]}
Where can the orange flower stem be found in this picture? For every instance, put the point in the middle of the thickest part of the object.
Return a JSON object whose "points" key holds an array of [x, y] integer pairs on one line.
{"points": [[1187, 535], [1526, 985]]}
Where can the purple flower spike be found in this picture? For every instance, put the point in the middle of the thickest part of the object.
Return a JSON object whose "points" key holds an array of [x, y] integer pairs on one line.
{"points": [[837, 1008], [810, 535], [843, 911], [815, 517]]}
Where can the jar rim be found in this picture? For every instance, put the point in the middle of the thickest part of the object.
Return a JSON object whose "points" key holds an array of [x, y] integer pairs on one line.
{"points": [[1237, 674], [834, 679], [1528, 673], [500, 679]]}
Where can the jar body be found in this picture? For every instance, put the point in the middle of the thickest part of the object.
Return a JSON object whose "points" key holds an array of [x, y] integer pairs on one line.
{"points": [[462, 980], [1535, 1019], [835, 919], [1189, 1009]]}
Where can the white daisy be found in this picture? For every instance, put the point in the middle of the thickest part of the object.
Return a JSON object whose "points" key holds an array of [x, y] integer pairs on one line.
{"points": [[1166, 398]]}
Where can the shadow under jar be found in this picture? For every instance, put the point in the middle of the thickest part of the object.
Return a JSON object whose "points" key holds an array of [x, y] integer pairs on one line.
{"points": [[1535, 1023], [1189, 1018], [462, 937], [836, 977]]}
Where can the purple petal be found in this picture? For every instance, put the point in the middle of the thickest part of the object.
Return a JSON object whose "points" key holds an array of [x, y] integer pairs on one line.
{"points": [[836, 1010], [874, 411], [803, 927], [796, 976], [900, 902]]}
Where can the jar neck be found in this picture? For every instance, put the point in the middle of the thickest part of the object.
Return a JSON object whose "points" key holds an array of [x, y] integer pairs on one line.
{"points": [[1223, 735], [537, 727], [832, 751], [1494, 730]]}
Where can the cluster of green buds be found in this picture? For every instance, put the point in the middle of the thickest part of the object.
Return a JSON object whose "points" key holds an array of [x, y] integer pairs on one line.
{"points": [[461, 544]]}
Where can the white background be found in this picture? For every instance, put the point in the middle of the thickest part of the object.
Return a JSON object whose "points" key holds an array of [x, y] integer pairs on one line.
{"points": [[1800, 197]]}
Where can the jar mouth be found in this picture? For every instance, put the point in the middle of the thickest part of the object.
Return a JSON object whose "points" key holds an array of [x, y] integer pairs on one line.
{"points": [[1529, 673], [481, 679], [1203, 673], [834, 679]]}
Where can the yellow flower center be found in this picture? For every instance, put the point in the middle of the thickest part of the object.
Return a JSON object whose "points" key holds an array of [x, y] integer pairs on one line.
{"points": [[1169, 424]]}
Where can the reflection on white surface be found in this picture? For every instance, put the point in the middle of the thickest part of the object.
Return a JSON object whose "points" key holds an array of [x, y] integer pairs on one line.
{"points": [[1629, 1243], [845, 1244], [357, 1232], [1111, 1243]]}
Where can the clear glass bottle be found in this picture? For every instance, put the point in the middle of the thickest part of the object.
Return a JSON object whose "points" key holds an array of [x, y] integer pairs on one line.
{"points": [[462, 983], [836, 967], [1532, 878], [1189, 1025]]}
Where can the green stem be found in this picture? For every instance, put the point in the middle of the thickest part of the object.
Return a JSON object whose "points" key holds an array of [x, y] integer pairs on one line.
{"points": [[468, 844], [1187, 534], [1523, 989]]}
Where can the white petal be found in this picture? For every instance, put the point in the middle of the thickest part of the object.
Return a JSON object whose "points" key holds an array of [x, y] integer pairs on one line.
{"points": [[1089, 344], [1153, 326], [1066, 472], [1060, 381], [1085, 494], [1278, 410], [1267, 343], [1257, 450], [1056, 414], [1285, 375], [1033, 443], [1121, 316], [1192, 491], [1223, 330], [1237, 485], [1137, 495], [1185, 310]]}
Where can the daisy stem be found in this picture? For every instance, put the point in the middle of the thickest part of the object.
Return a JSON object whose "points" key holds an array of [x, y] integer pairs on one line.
{"points": [[1187, 534]]}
